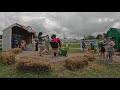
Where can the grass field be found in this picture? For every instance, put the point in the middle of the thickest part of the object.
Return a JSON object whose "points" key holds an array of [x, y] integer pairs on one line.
{"points": [[95, 69]]}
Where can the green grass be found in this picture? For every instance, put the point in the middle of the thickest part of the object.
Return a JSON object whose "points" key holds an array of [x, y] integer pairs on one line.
{"points": [[72, 45], [76, 45], [96, 69], [74, 51]]}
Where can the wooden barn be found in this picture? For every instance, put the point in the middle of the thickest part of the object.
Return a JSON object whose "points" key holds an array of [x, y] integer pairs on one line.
{"points": [[18, 30], [115, 34]]}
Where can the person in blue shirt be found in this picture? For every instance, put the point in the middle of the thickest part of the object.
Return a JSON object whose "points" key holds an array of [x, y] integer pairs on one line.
{"points": [[92, 45], [83, 44]]}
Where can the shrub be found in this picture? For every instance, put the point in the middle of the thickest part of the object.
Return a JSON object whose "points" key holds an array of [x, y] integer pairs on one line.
{"points": [[34, 63], [15, 50], [8, 58], [76, 62]]}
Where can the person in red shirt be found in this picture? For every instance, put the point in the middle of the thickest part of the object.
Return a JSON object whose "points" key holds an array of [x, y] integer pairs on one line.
{"points": [[56, 45]]}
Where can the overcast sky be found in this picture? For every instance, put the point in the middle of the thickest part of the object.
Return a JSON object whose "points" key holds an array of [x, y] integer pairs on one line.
{"points": [[69, 23]]}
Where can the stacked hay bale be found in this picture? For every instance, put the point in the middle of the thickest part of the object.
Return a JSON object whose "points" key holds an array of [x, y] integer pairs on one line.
{"points": [[90, 55], [34, 63], [8, 57], [15, 50], [76, 62]]}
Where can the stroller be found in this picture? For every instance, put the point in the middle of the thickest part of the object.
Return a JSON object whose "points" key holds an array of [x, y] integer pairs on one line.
{"points": [[64, 52]]}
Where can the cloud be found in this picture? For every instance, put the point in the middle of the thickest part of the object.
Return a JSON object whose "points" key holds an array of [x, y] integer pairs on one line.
{"points": [[71, 23]]}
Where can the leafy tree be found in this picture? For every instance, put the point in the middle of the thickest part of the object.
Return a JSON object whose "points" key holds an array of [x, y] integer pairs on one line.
{"points": [[99, 36]]}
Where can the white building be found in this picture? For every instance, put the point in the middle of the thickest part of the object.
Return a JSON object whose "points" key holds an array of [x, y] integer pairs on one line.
{"points": [[16, 28]]}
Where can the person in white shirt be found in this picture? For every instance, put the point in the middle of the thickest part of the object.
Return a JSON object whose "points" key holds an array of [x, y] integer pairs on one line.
{"points": [[110, 50]]}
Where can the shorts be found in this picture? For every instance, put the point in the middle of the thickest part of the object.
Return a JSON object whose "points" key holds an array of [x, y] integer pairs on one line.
{"points": [[40, 44], [92, 47], [46, 45], [83, 46], [102, 50]]}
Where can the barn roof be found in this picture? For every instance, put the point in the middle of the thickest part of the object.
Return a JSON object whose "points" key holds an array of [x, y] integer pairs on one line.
{"points": [[26, 28], [23, 27], [117, 29]]}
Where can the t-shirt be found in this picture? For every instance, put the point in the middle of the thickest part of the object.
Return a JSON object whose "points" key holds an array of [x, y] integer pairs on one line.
{"points": [[83, 43], [101, 44], [57, 42], [91, 44], [110, 44], [41, 39]]}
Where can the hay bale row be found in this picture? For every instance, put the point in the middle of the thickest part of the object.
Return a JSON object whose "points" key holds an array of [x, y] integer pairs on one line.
{"points": [[90, 57], [33, 63], [8, 57], [76, 62], [15, 50]]}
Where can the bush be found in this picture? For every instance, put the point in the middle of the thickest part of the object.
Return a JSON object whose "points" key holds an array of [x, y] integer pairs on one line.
{"points": [[8, 58], [15, 50], [33, 63], [76, 62]]}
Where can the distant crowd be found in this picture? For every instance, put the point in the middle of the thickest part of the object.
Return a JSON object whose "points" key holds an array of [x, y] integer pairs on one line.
{"points": [[105, 49]]}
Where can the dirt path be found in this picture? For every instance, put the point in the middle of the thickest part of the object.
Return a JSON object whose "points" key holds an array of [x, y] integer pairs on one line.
{"points": [[50, 57], [61, 58]]}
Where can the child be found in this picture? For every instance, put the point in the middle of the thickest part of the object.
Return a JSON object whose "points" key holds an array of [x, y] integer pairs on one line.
{"points": [[56, 45], [47, 44], [102, 50], [23, 45], [83, 45]]}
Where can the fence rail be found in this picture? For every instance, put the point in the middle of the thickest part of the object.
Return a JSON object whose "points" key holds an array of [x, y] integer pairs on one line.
{"points": [[0, 44]]}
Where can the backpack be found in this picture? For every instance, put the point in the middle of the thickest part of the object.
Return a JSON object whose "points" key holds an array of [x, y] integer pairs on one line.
{"points": [[54, 44]]}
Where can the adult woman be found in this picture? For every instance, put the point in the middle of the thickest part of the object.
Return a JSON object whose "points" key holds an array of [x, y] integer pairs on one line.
{"points": [[40, 43], [110, 50]]}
